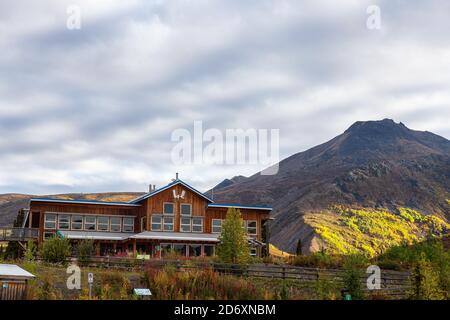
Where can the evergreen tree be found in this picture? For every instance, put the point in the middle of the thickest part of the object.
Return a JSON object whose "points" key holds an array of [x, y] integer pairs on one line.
{"points": [[233, 246], [425, 281]]}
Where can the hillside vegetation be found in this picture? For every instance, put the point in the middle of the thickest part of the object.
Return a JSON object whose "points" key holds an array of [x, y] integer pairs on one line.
{"points": [[371, 232]]}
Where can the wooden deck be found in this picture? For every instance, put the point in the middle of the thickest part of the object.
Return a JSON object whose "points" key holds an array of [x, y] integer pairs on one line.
{"points": [[18, 234]]}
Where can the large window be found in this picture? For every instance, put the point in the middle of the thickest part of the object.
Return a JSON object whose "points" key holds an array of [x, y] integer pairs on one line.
{"points": [[156, 223], [89, 223], [50, 221], [168, 208], [102, 223], [252, 228], [208, 250], [185, 209], [185, 224], [195, 250], [165, 248], [115, 224], [180, 249], [77, 222], [64, 222], [128, 224], [216, 226], [168, 223], [197, 224]]}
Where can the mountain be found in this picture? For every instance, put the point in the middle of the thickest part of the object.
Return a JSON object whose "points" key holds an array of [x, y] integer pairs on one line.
{"points": [[11, 203], [373, 164]]}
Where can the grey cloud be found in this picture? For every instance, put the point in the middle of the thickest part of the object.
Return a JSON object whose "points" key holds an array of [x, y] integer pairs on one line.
{"points": [[94, 109]]}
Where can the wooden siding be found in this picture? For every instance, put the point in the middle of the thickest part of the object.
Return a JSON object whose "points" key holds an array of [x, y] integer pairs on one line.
{"points": [[12, 290], [82, 208], [247, 214], [155, 204]]}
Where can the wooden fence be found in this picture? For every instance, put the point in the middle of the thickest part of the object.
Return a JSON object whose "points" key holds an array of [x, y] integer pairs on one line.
{"points": [[393, 283]]}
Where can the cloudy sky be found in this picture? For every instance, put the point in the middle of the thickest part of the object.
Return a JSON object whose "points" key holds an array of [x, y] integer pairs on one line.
{"points": [[93, 109]]}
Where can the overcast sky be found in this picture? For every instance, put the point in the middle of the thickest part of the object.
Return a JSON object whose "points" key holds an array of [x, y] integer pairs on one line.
{"points": [[93, 109]]}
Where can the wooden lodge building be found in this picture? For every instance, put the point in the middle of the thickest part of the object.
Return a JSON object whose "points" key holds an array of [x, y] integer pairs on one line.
{"points": [[175, 217]]}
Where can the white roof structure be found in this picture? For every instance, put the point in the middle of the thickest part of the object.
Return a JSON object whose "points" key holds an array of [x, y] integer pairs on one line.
{"points": [[12, 271], [177, 236], [79, 235]]}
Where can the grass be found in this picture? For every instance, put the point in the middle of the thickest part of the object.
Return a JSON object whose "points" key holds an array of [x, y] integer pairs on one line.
{"points": [[50, 283], [274, 251]]}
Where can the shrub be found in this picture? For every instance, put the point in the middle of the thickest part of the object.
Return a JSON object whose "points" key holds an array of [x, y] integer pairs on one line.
{"points": [[200, 284], [326, 289], [30, 251], [353, 273], [425, 282], [46, 289], [55, 249], [85, 250]]}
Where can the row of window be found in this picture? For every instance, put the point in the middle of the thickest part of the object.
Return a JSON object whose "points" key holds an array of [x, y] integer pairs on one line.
{"points": [[188, 250], [249, 225], [54, 221], [185, 209], [187, 224]]}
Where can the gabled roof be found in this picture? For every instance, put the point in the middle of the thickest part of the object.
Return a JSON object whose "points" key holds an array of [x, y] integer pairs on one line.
{"points": [[85, 202], [170, 185], [239, 206]]}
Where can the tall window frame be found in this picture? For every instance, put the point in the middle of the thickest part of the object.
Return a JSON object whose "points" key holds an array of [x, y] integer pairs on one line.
{"points": [[76, 222], [168, 223], [128, 224], [156, 223], [90, 223], [63, 221], [185, 224], [197, 224], [50, 221], [252, 227], [115, 224], [216, 225], [186, 209], [166, 210]]}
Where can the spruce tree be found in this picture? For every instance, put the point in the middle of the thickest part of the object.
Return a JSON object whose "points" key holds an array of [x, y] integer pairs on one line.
{"points": [[233, 246]]}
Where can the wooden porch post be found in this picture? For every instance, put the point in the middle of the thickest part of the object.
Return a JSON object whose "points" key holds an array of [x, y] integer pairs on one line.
{"points": [[97, 248], [134, 247]]}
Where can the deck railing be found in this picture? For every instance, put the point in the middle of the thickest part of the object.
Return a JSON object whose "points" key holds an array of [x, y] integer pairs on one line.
{"points": [[18, 234]]}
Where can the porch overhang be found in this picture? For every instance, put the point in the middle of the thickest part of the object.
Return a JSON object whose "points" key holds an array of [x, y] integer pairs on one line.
{"points": [[95, 235], [176, 236]]}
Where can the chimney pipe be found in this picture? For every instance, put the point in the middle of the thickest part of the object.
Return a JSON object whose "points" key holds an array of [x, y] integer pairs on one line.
{"points": [[176, 176]]}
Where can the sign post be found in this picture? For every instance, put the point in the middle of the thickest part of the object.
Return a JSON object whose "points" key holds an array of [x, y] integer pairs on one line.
{"points": [[90, 282]]}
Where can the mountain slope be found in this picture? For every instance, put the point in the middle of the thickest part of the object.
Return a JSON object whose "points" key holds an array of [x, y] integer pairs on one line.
{"points": [[375, 164]]}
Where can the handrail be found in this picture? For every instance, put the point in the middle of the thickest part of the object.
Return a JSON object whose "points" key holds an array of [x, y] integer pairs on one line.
{"points": [[18, 234]]}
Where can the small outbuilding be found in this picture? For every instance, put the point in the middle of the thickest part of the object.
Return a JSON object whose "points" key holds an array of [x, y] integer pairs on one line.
{"points": [[13, 282]]}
